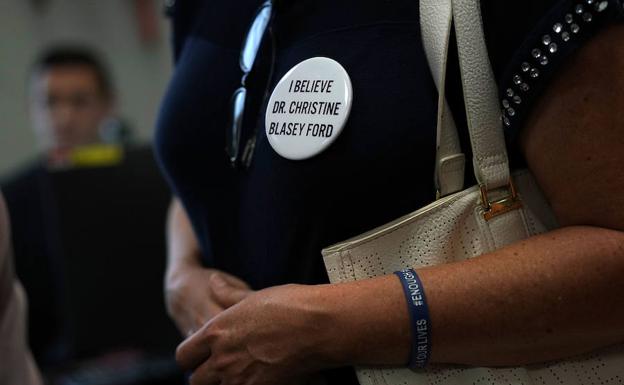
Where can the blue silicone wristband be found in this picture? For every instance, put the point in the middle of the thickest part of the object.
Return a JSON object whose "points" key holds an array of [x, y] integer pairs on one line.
{"points": [[419, 317]]}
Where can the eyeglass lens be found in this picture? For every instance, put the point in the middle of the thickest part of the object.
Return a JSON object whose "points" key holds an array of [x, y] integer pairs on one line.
{"points": [[254, 37], [249, 52], [238, 107]]}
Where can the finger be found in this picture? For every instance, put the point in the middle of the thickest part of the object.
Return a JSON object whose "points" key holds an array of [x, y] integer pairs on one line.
{"points": [[225, 294], [190, 319], [228, 296], [208, 311], [235, 281], [205, 375], [194, 350]]}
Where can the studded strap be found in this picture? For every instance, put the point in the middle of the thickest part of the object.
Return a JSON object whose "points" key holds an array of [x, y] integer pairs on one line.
{"points": [[562, 31]]}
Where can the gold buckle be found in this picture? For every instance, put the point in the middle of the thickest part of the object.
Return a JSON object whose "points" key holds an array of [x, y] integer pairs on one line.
{"points": [[507, 203]]}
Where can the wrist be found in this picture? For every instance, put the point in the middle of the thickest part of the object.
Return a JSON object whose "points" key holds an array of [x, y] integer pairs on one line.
{"points": [[337, 324], [178, 268], [366, 323], [326, 326], [420, 321]]}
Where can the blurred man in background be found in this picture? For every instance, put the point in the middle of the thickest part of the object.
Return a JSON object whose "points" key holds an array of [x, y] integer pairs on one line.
{"points": [[72, 103], [87, 217]]}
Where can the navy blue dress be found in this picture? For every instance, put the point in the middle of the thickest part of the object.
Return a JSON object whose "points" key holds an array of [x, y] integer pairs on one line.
{"points": [[267, 223]]}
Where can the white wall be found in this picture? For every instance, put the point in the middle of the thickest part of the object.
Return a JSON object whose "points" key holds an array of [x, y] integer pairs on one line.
{"points": [[140, 71]]}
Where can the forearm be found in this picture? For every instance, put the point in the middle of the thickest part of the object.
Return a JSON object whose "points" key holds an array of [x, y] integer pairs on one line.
{"points": [[548, 297], [182, 245], [189, 291]]}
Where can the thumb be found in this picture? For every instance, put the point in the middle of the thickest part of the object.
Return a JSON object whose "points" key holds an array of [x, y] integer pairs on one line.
{"points": [[225, 293]]}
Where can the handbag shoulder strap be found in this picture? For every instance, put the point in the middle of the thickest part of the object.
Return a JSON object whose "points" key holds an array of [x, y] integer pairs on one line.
{"points": [[491, 165], [435, 23]]}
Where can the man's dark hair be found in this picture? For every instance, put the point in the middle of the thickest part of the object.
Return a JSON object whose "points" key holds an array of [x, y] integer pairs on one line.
{"points": [[76, 56]]}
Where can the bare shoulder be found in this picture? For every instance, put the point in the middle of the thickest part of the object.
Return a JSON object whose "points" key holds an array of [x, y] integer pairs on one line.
{"points": [[574, 139]]}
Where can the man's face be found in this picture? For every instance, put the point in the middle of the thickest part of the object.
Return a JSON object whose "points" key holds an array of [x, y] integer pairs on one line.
{"points": [[68, 106]]}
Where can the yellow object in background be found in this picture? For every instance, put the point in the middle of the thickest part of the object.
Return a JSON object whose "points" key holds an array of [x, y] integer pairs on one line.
{"points": [[98, 155]]}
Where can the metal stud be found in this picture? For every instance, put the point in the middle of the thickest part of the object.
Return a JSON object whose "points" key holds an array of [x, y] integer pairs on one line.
{"points": [[601, 5], [553, 47], [565, 36], [534, 73], [536, 53], [505, 103], [506, 121], [525, 67], [510, 92], [517, 99], [517, 79], [569, 18], [587, 17], [524, 87], [579, 9], [546, 39], [558, 27], [511, 112], [543, 60], [575, 28]]}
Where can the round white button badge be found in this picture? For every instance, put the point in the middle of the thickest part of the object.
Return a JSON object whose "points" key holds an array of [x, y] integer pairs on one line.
{"points": [[308, 108]]}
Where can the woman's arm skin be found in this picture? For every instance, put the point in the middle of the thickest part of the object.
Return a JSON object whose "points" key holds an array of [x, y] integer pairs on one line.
{"points": [[188, 285], [547, 297]]}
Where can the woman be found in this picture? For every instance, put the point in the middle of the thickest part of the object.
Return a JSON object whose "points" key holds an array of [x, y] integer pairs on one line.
{"points": [[262, 223]]}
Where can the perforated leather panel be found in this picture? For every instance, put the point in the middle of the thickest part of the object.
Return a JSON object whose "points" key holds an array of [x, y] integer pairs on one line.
{"points": [[453, 229]]}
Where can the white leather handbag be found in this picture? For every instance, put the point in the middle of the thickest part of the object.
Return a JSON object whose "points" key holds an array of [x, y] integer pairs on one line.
{"points": [[500, 210]]}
